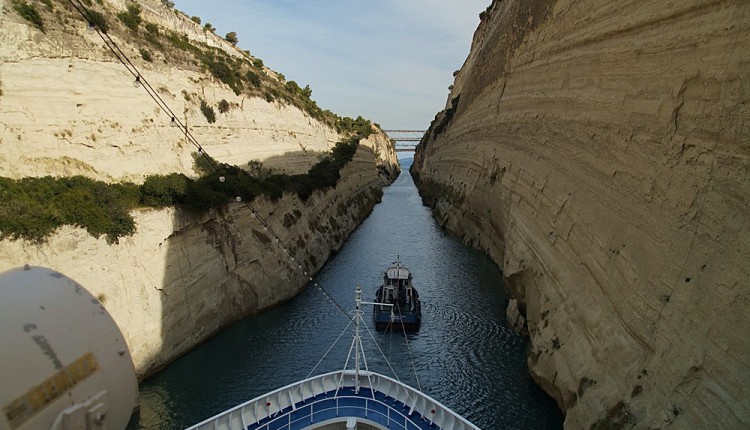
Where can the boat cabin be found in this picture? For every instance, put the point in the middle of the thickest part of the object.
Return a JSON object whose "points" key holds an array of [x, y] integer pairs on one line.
{"points": [[397, 285]]}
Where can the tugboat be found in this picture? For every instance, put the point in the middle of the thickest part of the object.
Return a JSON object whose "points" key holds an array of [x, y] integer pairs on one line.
{"points": [[397, 304]]}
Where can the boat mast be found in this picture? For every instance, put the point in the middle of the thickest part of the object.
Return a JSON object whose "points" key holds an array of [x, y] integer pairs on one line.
{"points": [[357, 339]]}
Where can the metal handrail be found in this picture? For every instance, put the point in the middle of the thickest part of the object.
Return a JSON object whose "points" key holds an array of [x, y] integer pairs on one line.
{"points": [[282, 399]]}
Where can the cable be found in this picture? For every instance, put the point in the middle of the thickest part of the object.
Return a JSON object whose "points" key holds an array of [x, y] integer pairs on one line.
{"points": [[329, 349], [411, 358], [139, 77]]}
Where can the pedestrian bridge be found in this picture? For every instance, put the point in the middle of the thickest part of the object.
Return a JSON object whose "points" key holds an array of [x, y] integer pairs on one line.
{"points": [[406, 140]]}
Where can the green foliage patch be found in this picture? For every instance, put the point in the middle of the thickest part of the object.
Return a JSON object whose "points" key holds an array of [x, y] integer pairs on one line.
{"points": [[231, 37], [33, 208], [223, 106], [244, 75], [98, 20], [208, 112], [146, 55], [29, 13], [253, 78], [131, 17]]}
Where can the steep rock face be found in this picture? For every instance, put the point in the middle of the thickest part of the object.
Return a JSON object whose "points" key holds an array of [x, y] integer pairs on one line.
{"points": [[68, 108], [182, 277], [600, 153]]}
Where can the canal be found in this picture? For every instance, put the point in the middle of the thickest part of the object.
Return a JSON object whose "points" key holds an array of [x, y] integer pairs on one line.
{"points": [[464, 355]]}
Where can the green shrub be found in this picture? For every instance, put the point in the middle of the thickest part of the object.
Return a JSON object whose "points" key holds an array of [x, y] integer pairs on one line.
{"points": [[221, 71], [146, 55], [29, 13], [131, 18], [209, 27], [152, 28], [200, 197], [223, 106], [292, 87], [359, 127], [203, 164], [181, 41], [164, 190], [196, 19], [258, 63], [253, 78], [98, 20], [231, 37], [208, 112], [33, 208]]}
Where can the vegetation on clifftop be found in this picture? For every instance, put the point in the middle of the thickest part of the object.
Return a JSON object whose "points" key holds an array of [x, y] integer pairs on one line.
{"points": [[33, 208], [244, 74]]}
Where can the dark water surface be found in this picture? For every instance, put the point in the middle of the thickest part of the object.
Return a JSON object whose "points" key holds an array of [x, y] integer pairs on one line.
{"points": [[464, 354]]}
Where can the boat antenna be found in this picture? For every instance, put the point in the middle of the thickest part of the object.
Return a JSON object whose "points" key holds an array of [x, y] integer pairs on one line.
{"points": [[357, 339], [357, 342]]}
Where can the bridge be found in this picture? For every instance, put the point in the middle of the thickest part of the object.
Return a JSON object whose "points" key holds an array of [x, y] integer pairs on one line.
{"points": [[406, 140]]}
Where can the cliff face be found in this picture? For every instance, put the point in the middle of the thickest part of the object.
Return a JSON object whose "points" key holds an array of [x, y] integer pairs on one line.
{"points": [[68, 108], [182, 277], [600, 153]]}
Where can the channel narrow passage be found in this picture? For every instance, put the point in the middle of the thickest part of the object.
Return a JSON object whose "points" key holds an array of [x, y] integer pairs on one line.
{"points": [[464, 354]]}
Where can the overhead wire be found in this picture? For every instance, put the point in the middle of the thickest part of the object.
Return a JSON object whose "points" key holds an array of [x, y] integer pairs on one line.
{"points": [[411, 358], [175, 121]]}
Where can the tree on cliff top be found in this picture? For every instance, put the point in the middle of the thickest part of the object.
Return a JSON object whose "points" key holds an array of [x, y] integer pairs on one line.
{"points": [[231, 37]]}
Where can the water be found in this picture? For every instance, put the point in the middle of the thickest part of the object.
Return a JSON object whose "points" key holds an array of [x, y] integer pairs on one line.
{"points": [[464, 355]]}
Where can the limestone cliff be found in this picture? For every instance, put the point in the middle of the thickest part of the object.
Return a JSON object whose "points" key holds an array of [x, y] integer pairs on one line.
{"points": [[600, 153], [67, 107]]}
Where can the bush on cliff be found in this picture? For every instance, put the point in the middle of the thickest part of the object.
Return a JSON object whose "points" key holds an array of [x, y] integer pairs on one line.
{"points": [[164, 190], [97, 19], [359, 127], [223, 106], [131, 17], [29, 13], [33, 208], [208, 112]]}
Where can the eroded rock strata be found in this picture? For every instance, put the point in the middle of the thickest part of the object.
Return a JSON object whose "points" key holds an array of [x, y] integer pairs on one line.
{"points": [[600, 153], [67, 107]]}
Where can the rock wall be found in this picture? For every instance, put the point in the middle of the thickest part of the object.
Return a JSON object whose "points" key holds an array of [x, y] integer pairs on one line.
{"points": [[600, 153], [68, 108], [181, 277]]}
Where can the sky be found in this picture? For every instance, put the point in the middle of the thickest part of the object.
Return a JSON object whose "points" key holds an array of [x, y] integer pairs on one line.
{"points": [[390, 61]]}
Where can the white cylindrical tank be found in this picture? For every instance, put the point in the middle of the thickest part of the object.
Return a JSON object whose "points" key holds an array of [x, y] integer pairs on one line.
{"points": [[64, 363]]}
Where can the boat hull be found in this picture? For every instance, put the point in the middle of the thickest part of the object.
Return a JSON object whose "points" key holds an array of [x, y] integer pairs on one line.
{"points": [[396, 322], [340, 397]]}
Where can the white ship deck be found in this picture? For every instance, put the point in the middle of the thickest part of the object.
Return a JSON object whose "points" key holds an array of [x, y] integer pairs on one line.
{"points": [[331, 400]]}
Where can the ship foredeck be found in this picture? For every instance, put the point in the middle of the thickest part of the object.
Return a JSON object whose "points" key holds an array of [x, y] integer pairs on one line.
{"points": [[328, 400]]}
